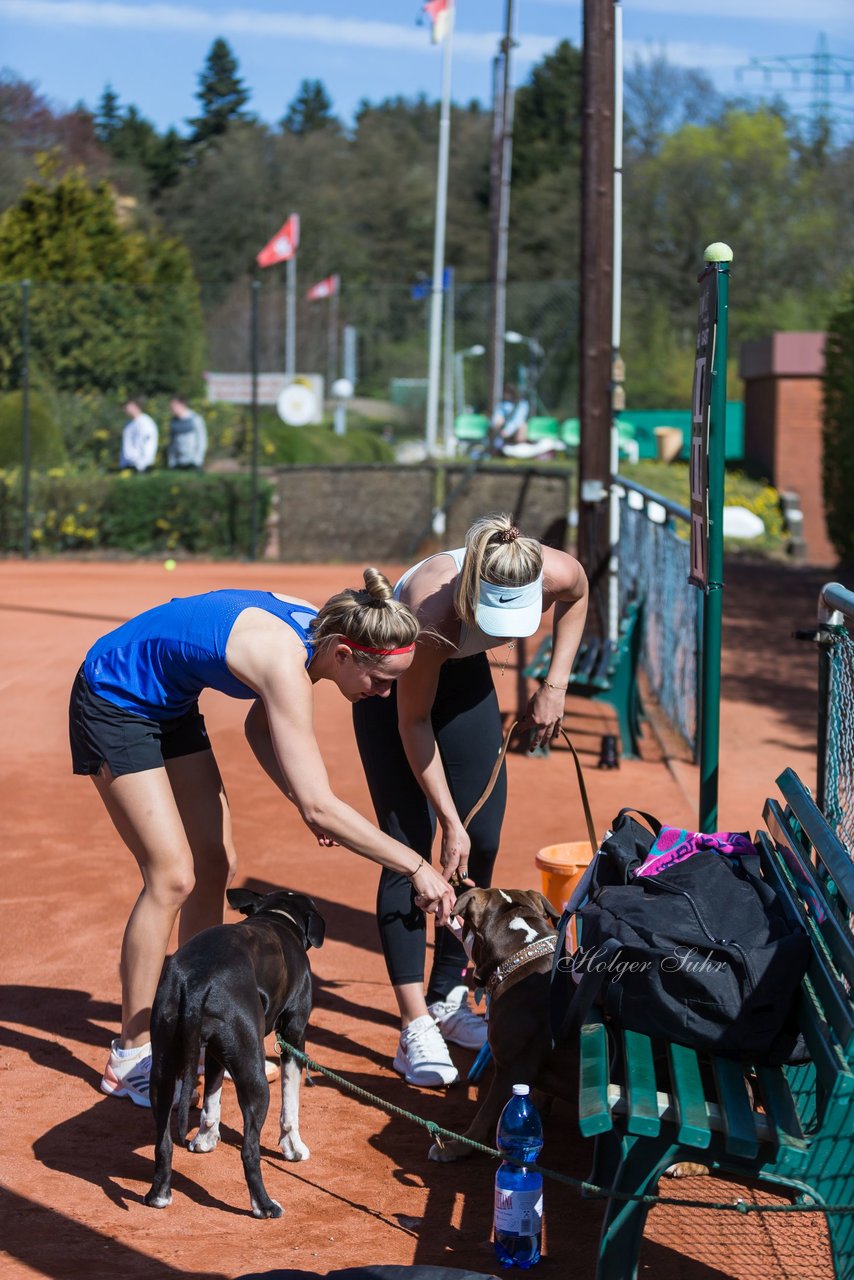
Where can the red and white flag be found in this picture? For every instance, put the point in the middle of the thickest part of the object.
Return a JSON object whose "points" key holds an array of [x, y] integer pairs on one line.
{"points": [[327, 288], [283, 245], [439, 13]]}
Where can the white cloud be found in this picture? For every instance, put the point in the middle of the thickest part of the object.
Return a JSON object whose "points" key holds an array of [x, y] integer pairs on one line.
{"points": [[319, 28]]}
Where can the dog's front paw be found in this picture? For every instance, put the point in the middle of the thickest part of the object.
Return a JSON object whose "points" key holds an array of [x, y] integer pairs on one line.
{"points": [[272, 1210], [292, 1147], [205, 1140], [158, 1201], [685, 1169], [448, 1151]]}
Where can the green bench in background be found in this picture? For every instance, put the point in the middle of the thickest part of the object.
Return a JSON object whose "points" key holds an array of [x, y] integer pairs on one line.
{"points": [[606, 671], [790, 1127]]}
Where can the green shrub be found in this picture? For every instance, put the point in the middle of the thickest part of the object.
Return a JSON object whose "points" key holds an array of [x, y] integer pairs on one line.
{"points": [[46, 445], [838, 427], [158, 512]]}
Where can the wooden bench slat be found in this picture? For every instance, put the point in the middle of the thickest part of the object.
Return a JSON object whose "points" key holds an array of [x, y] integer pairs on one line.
{"points": [[828, 848], [830, 993], [594, 1113], [689, 1096], [826, 1057], [839, 942], [643, 1118], [780, 1109], [739, 1127]]}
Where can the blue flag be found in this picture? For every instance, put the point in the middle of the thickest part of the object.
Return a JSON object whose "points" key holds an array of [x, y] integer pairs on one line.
{"points": [[423, 288]]}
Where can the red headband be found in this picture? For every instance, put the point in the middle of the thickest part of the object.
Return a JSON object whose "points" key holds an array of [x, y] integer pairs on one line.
{"points": [[387, 653]]}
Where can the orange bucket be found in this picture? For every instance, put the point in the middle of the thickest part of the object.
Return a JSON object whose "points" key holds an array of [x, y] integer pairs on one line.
{"points": [[561, 867]]}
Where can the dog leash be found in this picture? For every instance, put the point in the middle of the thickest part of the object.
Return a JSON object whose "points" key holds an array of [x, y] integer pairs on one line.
{"points": [[496, 768]]}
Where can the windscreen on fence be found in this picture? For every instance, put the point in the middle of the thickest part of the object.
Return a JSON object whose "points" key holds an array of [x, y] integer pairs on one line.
{"points": [[836, 712], [654, 565]]}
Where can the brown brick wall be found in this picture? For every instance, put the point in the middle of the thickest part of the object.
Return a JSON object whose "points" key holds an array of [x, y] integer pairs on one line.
{"points": [[382, 515]]}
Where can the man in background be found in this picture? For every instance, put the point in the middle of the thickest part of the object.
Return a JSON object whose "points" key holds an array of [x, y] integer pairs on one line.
{"points": [[188, 437], [139, 439]]}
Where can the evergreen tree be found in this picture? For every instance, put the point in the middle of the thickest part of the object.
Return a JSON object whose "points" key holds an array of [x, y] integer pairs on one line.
{"points": [[108, 116], [310, 110], [112, 308], [838, 427], [221, 93]]}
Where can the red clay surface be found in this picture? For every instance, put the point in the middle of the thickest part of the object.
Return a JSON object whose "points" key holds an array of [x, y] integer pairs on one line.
{"points": [[76, 1163]]}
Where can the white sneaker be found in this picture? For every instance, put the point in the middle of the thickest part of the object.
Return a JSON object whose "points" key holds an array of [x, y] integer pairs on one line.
{"points": [[422, 1056], [128, 1077], [457, 1021]]}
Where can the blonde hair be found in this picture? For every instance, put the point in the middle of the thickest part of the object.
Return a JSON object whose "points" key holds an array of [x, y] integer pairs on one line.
{"points": [[499, 553], [367, 615]]}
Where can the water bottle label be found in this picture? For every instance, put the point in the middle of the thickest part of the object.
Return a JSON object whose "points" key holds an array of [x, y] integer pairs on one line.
{"points": [[519, 1212]]}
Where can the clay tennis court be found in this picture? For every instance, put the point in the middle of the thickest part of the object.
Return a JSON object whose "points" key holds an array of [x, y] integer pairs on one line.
{"points": [[76, 1164]]}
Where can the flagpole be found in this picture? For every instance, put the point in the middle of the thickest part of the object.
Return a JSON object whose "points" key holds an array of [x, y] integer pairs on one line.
{"points": [[291, 316], [333, 333], [435, 352], [449, 366]]}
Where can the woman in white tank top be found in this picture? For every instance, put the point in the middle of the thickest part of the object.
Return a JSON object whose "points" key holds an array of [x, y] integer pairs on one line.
{"points": [[429, 751]]}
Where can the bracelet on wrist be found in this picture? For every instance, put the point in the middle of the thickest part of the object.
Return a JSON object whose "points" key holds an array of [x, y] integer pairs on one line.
{"points": [[561, 688], [410, 874]]}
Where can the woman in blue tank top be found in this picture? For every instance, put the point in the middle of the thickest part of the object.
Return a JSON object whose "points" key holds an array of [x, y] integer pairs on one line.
{"points": [[429, 749], [136, 729]]}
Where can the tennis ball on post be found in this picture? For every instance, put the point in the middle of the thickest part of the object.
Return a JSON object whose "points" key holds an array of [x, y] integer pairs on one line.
{"points": [[169, 564], [717, 252]]}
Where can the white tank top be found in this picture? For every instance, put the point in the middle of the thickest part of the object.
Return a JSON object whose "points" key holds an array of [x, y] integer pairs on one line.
{"points": [[472, 639]]}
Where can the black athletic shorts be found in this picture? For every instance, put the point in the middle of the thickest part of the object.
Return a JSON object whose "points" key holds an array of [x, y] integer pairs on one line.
{"points": [[129, 743]]}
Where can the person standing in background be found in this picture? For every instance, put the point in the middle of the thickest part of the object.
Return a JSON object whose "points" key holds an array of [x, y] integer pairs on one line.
{"points": [[139, 439], [188, 437]]}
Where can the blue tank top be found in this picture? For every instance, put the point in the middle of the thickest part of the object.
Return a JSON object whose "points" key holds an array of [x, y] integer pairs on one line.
{"points": [[157, 664]]}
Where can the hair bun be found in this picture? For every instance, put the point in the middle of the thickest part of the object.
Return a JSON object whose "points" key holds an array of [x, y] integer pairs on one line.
{"points": [[509, 535]]}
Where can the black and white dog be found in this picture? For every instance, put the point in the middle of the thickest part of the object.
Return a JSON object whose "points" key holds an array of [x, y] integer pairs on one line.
{"points": [[223, 991]]}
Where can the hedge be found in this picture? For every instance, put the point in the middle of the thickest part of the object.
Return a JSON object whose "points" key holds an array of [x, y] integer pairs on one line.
{"points": [[838, 427], [205, 514]]}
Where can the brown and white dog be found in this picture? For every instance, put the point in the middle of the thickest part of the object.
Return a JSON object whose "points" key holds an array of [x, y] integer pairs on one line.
{"points": [[510, 934]]}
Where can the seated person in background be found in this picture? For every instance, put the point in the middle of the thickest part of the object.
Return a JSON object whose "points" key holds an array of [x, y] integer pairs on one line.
{"points": [[509, 421], [139, 439], [188, 437]]}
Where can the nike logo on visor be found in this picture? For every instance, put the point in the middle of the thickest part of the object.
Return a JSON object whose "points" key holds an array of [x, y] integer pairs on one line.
{"points": [[506, 599]]}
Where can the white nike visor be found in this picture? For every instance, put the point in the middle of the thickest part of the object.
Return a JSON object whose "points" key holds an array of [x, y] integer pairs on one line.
{"points": [[510, 611]]}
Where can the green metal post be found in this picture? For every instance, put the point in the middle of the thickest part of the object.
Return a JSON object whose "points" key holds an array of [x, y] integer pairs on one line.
{"points": [[26, 458], [719, 257]]}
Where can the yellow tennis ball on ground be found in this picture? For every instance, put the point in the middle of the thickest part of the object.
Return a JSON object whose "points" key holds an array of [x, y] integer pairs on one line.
{"points": [[169, 564]]}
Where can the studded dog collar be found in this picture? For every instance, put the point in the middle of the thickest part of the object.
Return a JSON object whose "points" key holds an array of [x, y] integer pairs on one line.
{"points": [[533, 951]]}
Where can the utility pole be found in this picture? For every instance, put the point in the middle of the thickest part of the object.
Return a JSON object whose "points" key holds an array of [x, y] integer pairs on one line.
{"points": [[502, 164], [597, 283]]}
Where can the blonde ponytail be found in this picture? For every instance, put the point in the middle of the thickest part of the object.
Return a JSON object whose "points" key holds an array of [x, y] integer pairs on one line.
{"points": [[497, 552]]}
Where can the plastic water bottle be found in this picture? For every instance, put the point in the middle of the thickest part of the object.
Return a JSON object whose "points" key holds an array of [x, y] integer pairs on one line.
{"points": [[518, 1217]]}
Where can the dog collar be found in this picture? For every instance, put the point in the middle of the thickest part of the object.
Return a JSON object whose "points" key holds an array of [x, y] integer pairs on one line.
{"points": [[533, 951]]}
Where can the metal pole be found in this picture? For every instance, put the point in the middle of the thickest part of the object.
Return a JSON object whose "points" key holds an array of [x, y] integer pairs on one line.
{"points": [[291, 318], [26, 541], [499, 316], [437, 284], [449, 443], [597, 243], [710, 683], [253, 364], [617, 393], [332, 370]]}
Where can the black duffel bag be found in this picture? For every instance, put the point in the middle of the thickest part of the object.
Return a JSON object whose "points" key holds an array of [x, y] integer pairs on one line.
{"points": [[700, 953]]}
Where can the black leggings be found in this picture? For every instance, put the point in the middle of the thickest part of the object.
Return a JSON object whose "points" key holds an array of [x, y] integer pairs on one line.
{"points": [[467, 725]]}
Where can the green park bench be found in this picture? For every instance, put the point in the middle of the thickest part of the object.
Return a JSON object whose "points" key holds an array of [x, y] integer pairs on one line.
{"points": [[606, 671], [790, 1127]]}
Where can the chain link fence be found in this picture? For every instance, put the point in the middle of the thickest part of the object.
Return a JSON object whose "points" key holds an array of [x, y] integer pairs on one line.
{"points": [[836, 711]]}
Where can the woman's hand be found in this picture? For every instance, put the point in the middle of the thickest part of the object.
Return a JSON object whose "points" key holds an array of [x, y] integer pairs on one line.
{"points": [[433, 894], [545, 715], [454, 856]]}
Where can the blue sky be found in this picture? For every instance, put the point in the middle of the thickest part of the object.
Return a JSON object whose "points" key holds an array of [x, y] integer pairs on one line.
{"points": [[151, 52]]}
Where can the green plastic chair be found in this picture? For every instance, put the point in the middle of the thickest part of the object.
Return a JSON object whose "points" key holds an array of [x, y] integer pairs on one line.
{"points": [[570, 432], [543, 428], [471, 426]]}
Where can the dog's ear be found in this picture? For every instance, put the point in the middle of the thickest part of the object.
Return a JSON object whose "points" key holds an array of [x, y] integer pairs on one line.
{"points": [[548, 910], [245, 900], [315, 928], [470, 905]]}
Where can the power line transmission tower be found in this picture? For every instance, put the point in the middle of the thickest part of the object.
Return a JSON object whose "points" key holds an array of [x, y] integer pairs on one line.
{"points": [[824, 73]]}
